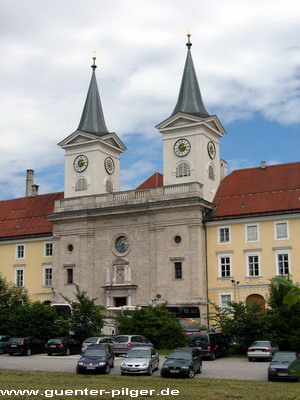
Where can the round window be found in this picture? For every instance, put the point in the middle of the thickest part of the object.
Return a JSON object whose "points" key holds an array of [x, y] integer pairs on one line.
{"points": [[177, 239], [122, 244], [70, 248]]}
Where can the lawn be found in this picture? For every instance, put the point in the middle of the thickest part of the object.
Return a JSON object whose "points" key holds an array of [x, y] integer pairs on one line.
{"points": [[63, 386]]}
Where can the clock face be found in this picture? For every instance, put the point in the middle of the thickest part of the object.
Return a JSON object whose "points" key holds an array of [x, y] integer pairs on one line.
{"points": [[109, 165], [122, 244], [80, 163], [182, 147], [211, 149]]}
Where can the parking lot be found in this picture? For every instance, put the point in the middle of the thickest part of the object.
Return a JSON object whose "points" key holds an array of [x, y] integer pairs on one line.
{"points": [[221, 368]]}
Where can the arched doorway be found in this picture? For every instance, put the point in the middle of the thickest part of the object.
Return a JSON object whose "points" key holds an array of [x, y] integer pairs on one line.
{"points": [[256, 298]]}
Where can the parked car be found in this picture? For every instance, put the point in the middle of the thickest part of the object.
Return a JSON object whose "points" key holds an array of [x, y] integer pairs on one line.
{"points": [[262, 349], [3, 343], [209, 344], [26, 345], [184, 362], [97, 358], [95, 340], [140, 360], [123, 343], [62, 345], [285, 366]]}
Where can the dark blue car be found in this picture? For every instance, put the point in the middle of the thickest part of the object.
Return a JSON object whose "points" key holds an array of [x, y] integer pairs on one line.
{"points": [[97, 358]]}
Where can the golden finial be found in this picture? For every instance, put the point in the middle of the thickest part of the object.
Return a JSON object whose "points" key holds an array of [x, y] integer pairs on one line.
{"points": [[189, 44], [94, 59]]}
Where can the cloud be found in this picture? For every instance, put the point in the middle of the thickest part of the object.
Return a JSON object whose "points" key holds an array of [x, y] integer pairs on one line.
{"points": [[246, 54]]}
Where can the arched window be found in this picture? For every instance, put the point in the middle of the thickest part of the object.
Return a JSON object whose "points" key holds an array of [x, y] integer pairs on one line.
{"points": [[109, 186], [81, 184], [211, 172], [183, 169]]}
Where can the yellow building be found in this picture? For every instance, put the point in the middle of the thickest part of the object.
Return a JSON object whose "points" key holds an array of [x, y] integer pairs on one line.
{"points": [[26, 242], [253, 234]]}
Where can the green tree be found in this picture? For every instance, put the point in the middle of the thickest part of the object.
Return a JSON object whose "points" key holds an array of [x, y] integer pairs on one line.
{"points": [[285, 314], [10, 298], [86, 319], [157, 324], [35, 319], [292, 294], [241, 324], [11, 295]]}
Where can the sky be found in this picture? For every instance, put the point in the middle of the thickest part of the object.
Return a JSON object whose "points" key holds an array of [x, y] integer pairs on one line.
{"points": [[246, 56]]}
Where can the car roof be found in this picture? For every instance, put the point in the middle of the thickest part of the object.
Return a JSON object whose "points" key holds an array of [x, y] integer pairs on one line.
{"points": [[189, 349], [142, 347], [95, 345]]}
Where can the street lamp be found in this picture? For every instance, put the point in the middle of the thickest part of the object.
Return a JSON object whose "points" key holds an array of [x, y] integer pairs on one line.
{"points": [[235, 285]]}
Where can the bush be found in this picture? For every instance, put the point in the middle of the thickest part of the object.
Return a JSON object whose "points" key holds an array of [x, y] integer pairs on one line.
{"points": [[155, 323]]}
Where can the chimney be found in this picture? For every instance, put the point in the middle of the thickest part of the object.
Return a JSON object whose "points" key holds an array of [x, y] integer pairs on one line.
{"points": [[263, 165], [31, 189], [223, 169]]}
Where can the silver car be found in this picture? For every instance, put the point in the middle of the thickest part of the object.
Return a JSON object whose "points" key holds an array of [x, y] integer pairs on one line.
{"points": [[262, 349], [95, 340], [140, 360]]}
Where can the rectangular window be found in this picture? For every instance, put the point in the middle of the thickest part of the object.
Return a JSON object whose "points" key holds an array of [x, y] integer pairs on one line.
{"points": [[281, 230], [20, 251], [283, 263], [224, 266], [48, 276], [69, 276], [48, 250], [19, 277], [224, 235], [252, 233], [224, 299], [178, 270], [253, 265]]}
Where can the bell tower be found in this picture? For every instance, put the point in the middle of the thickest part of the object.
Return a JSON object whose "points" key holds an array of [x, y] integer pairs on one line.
{"points": [[92, 153], [191, 137]]}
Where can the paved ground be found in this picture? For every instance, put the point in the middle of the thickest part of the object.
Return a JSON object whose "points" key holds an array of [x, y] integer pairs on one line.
{"points": [[221, 368]]}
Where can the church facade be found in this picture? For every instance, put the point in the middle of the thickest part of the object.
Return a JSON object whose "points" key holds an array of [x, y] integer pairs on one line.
{"points": [[132, 247]]}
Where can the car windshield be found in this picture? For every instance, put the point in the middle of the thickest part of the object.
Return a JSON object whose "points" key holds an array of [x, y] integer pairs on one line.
{"points": [[180, 355], [121, 339], [91, 340], [55, 341], [284, 357], [94, 352], [136, 353], [16, 340], [260, 344]]}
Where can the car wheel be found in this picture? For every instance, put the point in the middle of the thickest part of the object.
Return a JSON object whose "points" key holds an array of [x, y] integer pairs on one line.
{"points": [[28, 352], [191, 373], [250, 359], [149, 372], [67, 352], [49, 354], [107, 370], [11, 354], [212, 357], [1, 350], [78, 371]]}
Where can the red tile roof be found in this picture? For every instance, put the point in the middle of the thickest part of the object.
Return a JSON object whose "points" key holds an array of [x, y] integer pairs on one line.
{"points": [[155, 180], [275, 188], [26, 215]]}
